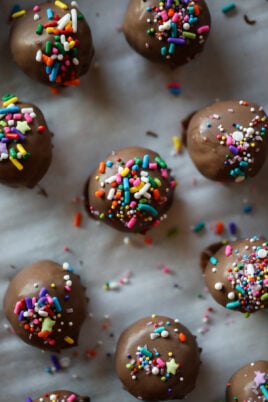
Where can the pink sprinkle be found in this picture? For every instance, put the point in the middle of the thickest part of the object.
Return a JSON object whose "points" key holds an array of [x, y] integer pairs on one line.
{"points": [[67, 288], [51, 341], [71, 398], [166, 270], [228, 250], [17, 307], [153, 165], [203, 29], [28, 118], [164, 173], [175, 17], [130, 163], [8, 116], [133, 204], [265, 281], [66, 248], [7, 130], [136, 182], [118, 178], [17, 116], [160, 362], [229, 140], [50, 300], [36, 9], [164, 15], [131, 222]]}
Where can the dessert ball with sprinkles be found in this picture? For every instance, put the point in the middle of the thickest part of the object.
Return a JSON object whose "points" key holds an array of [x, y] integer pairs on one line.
{"points": [[249, 383], [25, 143], [131, 190], [227, 140], [236, 274], [157, 359], [46, 305], [170, 32], [52, 43], [59, 396]]}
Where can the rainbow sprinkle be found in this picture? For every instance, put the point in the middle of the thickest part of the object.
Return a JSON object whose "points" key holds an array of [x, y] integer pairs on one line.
{"points": [[38, 314], [60, 55], [178, 24], [15, 124], [133, 190]]}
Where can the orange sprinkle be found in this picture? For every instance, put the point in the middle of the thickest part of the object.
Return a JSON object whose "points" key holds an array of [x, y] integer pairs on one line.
{"points": [[47, 60], [182, 337], [54, 91], [156, 194], [100, 193], [77, 219], [148, 240], [118, 195], [171, 12], [196, 10], [102, 167], [219, 228], [72, 82]]}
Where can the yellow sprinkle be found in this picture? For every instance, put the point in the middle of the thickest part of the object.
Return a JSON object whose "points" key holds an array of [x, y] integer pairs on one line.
{"points": [[71, 44], [153, 315], [124, 172], [49, 30], [11, 100], [170, 354], [177, 143], [52, 285], [21, 149], [69, 340], [16, 163], [18, 14], [60, 4]]}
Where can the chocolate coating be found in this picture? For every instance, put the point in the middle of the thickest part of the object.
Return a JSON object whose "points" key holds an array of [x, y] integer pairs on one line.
{"points": [[157, 359], [129, 193], [24, 167], [236, 274], [151, 31], [42, 55], [249, 383], [61, 396], [227, 140], [52, 294]]}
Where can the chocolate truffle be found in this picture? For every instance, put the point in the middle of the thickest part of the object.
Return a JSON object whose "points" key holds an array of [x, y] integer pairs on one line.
{"points": [[169, 32], [59, 396], [227, 140], [46, 305], [25, 145], [236, 274], [52, 43], [131, 190], [249, 383], [157, 359]]}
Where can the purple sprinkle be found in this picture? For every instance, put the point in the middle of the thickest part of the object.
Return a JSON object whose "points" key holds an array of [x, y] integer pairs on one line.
{"points": [[55, 362], [169, 3], [232, 228], [28, 302], [21, 315], [178, 41], [16, 131], [233, 149], [3, 148], [28, 399], [43, 292], [4, 140]]}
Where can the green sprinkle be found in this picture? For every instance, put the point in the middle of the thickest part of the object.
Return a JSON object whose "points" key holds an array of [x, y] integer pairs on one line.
{"points": [[39, 29], [160, 162], [48, 47], [189, 35], [199, 226], [6, 97]]}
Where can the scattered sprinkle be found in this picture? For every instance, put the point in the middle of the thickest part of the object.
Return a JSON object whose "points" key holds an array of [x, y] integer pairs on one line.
{"points": [[248, 21], [228, 7]]}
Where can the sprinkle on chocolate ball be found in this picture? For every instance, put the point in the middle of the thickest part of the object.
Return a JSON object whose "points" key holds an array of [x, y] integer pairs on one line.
{"points": [[46, 305], [25, 143], [131, 190]]}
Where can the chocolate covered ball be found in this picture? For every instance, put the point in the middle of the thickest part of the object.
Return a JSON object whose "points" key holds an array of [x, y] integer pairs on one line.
{"points": [[46, 305], [157, 359], [52, 43], [25, 143], [59, 396], [236, 274], [169, 32], [227, 140], [131, 190], [249, 383]]}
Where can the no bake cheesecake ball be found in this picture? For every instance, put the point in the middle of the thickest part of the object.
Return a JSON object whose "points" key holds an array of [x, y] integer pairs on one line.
{"points": [[25, 143], [157, 359], [130, 190], [52, 43], [236, 274], [168, 32], [227, 141], [59, 396], [46, 305], [249, 383]]}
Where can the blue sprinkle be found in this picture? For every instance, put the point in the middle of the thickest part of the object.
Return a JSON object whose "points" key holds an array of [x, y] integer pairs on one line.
{"points": [[247, 209]]}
